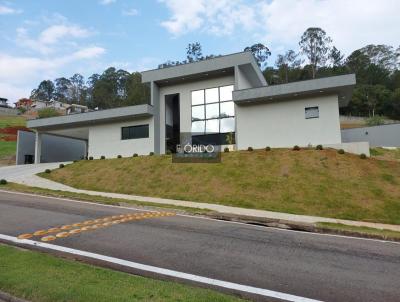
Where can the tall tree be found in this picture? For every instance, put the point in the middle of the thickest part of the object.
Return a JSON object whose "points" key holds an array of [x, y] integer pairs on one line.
{"points": [[382, 55], [286, 62], [336, 57], [315, 45], [62, 90], [77, 87], [45, 91], [261, 53], [193, 52]]}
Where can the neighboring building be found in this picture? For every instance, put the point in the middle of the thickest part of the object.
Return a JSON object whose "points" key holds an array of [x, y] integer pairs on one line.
{"points": [[225, 99], [24, 103], [3, 102], [75, 108]]}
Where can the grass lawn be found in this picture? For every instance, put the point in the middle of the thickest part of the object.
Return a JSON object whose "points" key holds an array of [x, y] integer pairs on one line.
{"points": [[39, 277], [385, 234], [386, 154], [11, 121], [7, 148], [310, 182]]}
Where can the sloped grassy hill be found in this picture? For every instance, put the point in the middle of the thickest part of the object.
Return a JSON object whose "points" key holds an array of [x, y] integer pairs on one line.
{"points": [[310, 182]]}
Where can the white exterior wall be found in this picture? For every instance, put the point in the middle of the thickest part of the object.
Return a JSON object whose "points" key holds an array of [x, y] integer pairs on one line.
{"points": [[185, 109], [283, 124], [106, 140]]}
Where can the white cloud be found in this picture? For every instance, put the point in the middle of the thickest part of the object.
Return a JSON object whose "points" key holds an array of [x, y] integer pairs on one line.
{"points": [[56, 48], [219, 17], [6, 10], [107, 2], [280, 23], [130, 12]]}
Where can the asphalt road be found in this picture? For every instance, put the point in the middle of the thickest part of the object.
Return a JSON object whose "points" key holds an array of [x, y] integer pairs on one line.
{"points": [[322, 267]]}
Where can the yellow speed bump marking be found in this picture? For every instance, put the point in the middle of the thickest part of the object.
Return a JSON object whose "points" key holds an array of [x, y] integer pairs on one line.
{"points": [[49, 238], [94, 224], [40, 233], [62, 235], [25, 236]]}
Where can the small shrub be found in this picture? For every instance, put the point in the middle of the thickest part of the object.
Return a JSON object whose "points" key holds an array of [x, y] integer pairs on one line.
{"points": [[135, 155], [151, 153], [75, 161], [267, 148], [119, 156], [3, 182], [226, 149], [102, 157], [90, 157], [375, 120], [250, 149], [296, 148], [61, 166], [168, 152], [319, 147], [47, 171], [340, 151], [363, 156], [47, 112]]}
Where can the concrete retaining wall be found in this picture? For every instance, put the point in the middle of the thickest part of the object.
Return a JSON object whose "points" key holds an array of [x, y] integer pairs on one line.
{"points": [[377, 136], [354, 148]]}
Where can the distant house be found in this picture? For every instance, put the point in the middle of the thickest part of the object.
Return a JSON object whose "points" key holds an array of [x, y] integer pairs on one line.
{"points": [[24, 103], [3, 102], [75, 108]]}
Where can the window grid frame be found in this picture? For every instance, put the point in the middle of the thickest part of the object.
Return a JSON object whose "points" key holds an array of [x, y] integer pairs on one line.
{"points": [[219, 118], [134, 126]]}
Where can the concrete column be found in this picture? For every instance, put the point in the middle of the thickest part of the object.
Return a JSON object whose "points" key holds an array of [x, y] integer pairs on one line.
{"points": [[38, 147], [155, 102]]}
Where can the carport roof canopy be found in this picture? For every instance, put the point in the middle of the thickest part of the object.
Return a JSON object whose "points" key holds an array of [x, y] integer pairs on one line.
{"points": [[77, 125]]}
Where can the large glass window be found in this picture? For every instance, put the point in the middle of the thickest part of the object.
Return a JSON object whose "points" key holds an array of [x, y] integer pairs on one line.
{"points": [[133, 132], [213, 110]]}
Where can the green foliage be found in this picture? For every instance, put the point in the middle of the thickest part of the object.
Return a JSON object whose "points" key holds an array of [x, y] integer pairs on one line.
{"points": [[260, 53], [340, 151], [47, 112], [226, 149], [3, 182], [319, 147], [250, 149], [119, 156], [90, 157], [296, 148], [267, 148], [375, 120], [363, 156], [135, 155], [61, 166], [47, 171], [102, 157], [151, 153]]}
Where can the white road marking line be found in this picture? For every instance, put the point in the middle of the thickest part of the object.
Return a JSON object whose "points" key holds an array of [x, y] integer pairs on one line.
{"points": [[163, 271], [204, 218]]}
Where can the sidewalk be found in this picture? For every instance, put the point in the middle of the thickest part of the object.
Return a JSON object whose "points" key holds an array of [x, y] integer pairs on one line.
{"points": [[28, 178]]}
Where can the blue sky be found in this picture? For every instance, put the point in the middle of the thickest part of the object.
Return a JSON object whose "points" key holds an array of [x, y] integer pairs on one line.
{"points": [[46, 39]]}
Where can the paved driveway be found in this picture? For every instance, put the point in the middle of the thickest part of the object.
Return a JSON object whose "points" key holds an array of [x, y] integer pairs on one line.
{"points": [[26, 174]]}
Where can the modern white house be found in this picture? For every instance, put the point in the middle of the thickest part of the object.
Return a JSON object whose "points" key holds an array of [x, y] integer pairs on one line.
{"points": [[224, 100]]}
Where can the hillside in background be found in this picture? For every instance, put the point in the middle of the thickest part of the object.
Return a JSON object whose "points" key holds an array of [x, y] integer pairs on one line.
{"points": [[9, 126], [311, 182]]}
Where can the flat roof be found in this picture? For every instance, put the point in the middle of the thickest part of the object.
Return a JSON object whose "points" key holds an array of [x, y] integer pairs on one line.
{"points": [[216, 66], [92, 117], [342, 85]]}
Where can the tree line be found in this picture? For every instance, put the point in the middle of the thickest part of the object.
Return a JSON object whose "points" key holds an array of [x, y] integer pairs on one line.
{"points": [[377, 69]]}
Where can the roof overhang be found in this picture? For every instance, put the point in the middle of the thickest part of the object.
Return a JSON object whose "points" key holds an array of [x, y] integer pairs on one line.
{"points": [[341, 85], [200, 70], [92, 118]]}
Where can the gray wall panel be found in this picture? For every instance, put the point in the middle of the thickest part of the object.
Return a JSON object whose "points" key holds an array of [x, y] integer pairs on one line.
{"points": [[377, 136]]}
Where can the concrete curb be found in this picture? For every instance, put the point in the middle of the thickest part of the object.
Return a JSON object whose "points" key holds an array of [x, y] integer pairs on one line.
{"points": [[294, 225], [9, 298]]}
